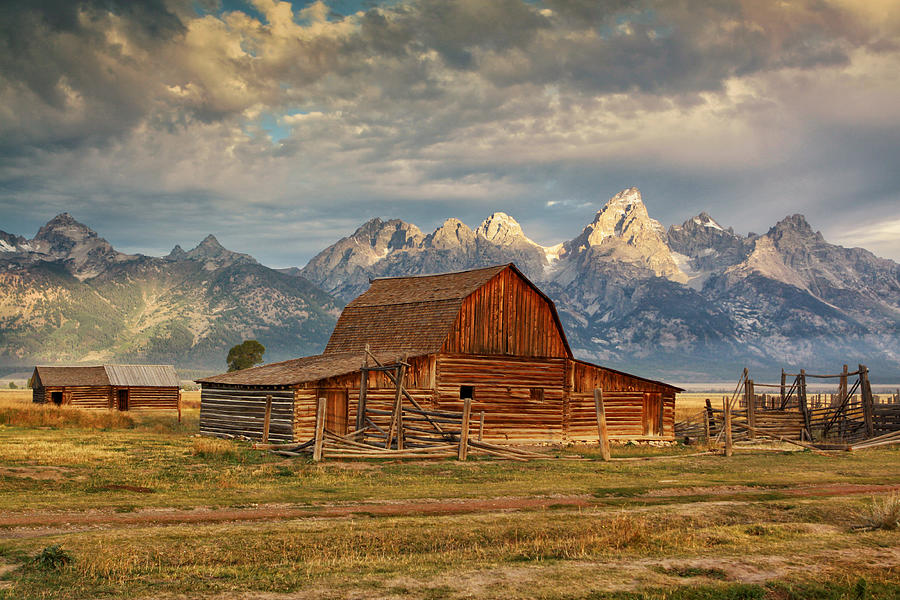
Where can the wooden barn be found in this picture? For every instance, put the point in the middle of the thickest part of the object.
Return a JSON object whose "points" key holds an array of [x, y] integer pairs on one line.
{"points": [[122, 387], [487, 334]]}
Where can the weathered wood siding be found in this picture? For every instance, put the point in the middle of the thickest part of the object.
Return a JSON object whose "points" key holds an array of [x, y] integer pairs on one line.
{"points": [[503, 391], [151, 398], [506, 316], [77, 396], [418, 381], [240, 411]]}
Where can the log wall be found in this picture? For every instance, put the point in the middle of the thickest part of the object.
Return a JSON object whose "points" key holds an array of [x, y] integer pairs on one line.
{"points": [[77, 396], [241, 411], [503, 391], [150, 398], [507, 316]]}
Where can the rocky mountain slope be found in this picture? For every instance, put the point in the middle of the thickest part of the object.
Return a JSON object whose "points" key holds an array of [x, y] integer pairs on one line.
{"points": [[697, 300], [68, 296]]}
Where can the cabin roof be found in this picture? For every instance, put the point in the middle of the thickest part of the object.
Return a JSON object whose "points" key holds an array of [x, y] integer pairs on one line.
{"points": [[68, 376], [300, 370], [105, 375], [142, 375]]}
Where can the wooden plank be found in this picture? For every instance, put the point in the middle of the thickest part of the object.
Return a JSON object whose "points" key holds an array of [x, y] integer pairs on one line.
{"points": [[267, 419], [463, 449], [320, 429], [601, 424], [728, 438]]}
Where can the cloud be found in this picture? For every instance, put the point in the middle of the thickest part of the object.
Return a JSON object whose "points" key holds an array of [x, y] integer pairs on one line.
{"points": [[438, 108]]}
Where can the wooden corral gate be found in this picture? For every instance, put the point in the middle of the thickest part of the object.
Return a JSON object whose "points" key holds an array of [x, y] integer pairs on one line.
{"points": [[850, 415], [489, 335]]}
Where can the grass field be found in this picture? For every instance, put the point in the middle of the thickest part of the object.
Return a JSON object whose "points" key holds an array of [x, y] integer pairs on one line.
{"points": [[96, 504]]}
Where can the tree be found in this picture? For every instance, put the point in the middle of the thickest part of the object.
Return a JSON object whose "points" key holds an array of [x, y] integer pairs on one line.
{"points": [[245, 355], [13, 386]]}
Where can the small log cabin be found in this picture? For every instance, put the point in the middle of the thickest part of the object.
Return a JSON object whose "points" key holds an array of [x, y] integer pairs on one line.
{"points": [[121, 387], [486, 334]]}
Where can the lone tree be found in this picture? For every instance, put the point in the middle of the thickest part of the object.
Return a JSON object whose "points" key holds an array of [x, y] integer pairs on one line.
{"points": [[245, 355]]}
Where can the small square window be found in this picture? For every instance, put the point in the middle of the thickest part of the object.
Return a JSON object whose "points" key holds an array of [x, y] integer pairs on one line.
{"points": [[537, 394], [466, 391]]}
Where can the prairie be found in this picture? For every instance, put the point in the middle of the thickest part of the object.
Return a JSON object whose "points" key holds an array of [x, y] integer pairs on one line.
{"points": [[143, 507]]}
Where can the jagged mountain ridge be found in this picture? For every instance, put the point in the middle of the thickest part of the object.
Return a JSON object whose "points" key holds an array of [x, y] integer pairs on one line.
{"points": [[696, 299], [68, 296]]}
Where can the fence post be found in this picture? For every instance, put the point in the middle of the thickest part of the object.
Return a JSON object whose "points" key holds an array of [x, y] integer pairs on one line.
{"points": [[783, 388], [481, 427], [803, 408], [865, 392], [320, 429], [267, 419], [178, 406], [601, 423], [706, 424], [463, 451], [751, 407], [363, 388], [728, 440], [710, 418]]}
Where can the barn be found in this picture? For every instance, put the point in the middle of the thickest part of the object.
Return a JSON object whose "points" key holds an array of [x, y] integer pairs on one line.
{"points": [[486, 334], [122, 387]]}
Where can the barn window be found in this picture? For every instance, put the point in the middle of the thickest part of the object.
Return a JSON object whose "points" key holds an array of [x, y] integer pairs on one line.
{"points": [[537, 394], [466, 391]]}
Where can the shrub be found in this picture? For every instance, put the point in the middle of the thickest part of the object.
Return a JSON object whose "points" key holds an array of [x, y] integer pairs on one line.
{"points": [[882, 513], [52, 558], [214, 448]]}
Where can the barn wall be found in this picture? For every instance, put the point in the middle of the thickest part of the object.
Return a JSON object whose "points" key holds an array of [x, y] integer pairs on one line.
{"points": [[151, 397], [236, 411], [37, 394], [627, 401], [506, 316], [503, 391], [418, 381]]}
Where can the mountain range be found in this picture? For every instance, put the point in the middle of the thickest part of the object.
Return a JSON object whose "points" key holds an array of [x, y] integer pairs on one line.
{"points": [[694, 301]]}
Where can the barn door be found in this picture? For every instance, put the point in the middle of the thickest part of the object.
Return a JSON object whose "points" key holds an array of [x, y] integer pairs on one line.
{"points": [[122, 399], [652, 418], [336, 415]]}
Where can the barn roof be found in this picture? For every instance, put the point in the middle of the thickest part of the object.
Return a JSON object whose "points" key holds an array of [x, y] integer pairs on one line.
{"points": [[119, 375], [411, 314], [299, 370]]}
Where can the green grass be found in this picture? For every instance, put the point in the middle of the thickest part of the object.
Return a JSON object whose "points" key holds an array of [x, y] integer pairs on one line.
{"points": [[680, 527]]}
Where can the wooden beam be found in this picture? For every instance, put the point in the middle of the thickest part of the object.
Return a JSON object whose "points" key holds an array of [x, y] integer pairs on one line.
{"points": [[320, 429], [750, 400], [481, 427], [463, 450], [803, 407], [865, 390], [267, 419], [728, 440], [363, 385], [600, 412]]}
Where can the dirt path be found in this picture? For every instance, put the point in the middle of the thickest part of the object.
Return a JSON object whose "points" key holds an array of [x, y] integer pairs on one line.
{"points": [[401, 508]]}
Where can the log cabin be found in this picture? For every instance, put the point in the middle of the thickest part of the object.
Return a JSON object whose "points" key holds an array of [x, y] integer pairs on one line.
{"points": [[487, 334], [120, 387]]}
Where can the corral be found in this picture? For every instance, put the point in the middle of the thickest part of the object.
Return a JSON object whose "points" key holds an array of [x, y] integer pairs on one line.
{"points": [[427, 344], [121, 387]]}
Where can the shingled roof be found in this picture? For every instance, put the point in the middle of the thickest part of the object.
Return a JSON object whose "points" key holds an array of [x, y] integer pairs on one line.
{"points": [[299, 370], [407, 314], [118, 375]]}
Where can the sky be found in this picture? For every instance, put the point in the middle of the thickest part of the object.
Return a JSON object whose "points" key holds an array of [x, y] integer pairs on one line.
{"points": [[281, 127]]}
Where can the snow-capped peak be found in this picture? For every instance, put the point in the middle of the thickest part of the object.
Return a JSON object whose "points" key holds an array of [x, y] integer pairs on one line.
{"points": [[621, 214], [500, 228], [705, 220]]}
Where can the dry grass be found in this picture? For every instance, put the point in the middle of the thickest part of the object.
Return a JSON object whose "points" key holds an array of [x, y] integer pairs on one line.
{"points": [[690, 403], [205, 447], [881, 513], [16, 412], [190, 399]]}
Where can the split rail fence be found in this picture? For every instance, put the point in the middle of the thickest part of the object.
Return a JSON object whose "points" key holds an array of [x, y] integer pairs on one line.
{"points": [[847, 418]]}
